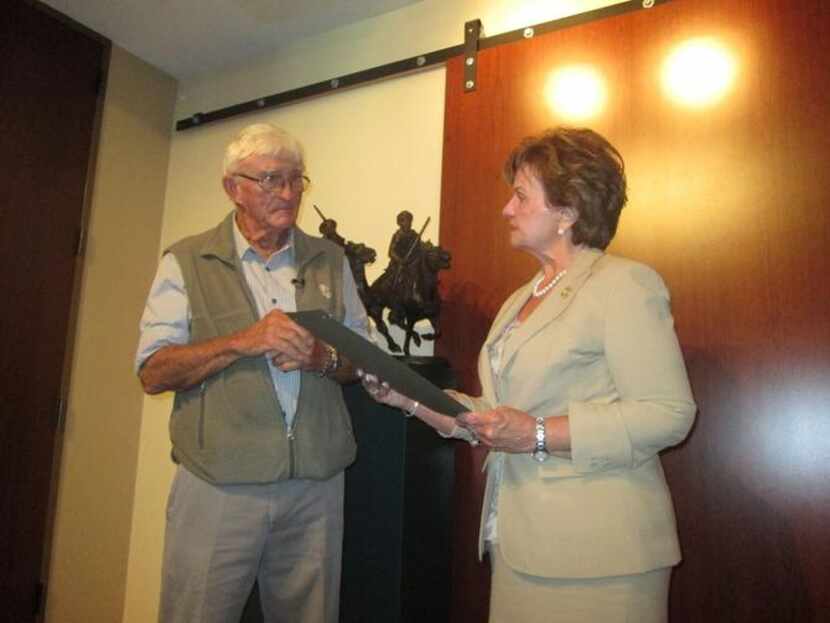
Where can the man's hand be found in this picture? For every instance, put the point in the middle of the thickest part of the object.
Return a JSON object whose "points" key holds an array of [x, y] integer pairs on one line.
{"points": [[290, 346], [316, 361]]}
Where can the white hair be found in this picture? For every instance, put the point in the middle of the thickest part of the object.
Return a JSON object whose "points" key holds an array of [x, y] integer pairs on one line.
{"points": [[262, 139]]}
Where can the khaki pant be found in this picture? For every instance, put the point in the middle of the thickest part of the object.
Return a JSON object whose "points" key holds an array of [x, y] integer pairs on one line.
{"points": [[287, 535]]}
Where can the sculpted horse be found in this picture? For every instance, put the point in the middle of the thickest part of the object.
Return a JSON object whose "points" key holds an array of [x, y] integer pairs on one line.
{"points": [[410, 296], [358, 255]]}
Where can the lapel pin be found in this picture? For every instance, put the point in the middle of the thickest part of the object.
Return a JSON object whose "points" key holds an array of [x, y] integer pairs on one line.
{"points": [[566, 292]]}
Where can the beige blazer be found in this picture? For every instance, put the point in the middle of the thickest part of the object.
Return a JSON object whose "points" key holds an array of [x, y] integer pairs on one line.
{"points": [[602, 349]]}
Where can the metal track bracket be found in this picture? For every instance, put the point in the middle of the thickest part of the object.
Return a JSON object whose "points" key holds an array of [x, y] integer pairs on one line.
{"points": [[472, 34]]}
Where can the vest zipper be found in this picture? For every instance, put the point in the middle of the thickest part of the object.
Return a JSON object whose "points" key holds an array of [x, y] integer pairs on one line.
{"points": [[202, 416], [290, 436]]}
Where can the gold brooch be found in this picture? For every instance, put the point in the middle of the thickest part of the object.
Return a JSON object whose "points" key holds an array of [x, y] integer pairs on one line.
{"points": [[566, 292]]}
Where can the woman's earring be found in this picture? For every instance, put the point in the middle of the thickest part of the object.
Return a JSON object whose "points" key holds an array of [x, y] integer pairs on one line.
{"points": [[560, 231]]}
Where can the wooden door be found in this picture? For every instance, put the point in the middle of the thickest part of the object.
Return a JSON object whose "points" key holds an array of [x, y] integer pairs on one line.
{"points": [[730, 204], [50, 77]]}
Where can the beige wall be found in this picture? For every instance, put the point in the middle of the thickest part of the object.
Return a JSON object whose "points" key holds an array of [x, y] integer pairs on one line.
{"points": [[95, 497], [418, 28], [372, 151]]}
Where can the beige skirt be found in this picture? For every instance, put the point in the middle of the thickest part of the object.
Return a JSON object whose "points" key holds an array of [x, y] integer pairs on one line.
{"points": [[518, 597]]}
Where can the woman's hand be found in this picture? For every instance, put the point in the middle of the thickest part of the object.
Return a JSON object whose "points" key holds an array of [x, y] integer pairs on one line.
{"points": [[381, 391], [445, 425], [503, 428]]}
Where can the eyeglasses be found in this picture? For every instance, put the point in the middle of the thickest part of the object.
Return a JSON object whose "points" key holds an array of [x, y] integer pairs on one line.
{"points": [[271, 182]]}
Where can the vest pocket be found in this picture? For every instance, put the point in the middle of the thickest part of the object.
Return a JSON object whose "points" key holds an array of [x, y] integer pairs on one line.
{"points": [[234, 320]]}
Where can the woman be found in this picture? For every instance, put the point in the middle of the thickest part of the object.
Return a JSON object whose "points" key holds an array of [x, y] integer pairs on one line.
{"points": [[583, 384]]}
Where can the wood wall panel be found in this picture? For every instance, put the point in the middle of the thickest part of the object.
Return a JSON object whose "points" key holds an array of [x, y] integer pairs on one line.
{"points": [[729, 204]]}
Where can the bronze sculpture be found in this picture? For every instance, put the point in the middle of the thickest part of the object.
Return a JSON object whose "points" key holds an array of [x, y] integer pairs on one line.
{"points": [[357, 254], [408, 287]]}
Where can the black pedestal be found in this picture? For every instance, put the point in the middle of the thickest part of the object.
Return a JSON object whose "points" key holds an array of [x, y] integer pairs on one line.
{"points": [[398, 512], [397, 541]]}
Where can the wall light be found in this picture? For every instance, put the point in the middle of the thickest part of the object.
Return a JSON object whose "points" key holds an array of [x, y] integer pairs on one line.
{"points": [[575, 92], [699, 72]]}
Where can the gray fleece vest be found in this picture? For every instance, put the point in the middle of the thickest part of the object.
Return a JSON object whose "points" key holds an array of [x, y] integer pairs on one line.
{"points": [[231, 428]]}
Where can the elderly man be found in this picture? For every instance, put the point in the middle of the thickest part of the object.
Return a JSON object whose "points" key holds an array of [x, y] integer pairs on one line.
{"points": [[259, 429]]}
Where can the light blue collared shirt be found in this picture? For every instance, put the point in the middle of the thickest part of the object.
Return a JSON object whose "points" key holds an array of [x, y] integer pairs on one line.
{"points": [[167, 314]]}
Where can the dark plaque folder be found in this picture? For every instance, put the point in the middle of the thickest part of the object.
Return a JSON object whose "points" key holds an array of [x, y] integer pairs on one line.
{"points": [[365, 355]]}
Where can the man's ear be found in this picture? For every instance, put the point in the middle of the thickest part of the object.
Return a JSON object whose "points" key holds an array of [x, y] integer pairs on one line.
{"points": [[229, 184]]}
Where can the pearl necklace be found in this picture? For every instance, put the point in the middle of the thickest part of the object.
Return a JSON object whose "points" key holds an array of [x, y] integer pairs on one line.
{"points": [[541, 292]]}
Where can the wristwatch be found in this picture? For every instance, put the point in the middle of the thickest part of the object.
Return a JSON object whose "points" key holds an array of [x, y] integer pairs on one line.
{"points": [[540, 452], [332, 363]]}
